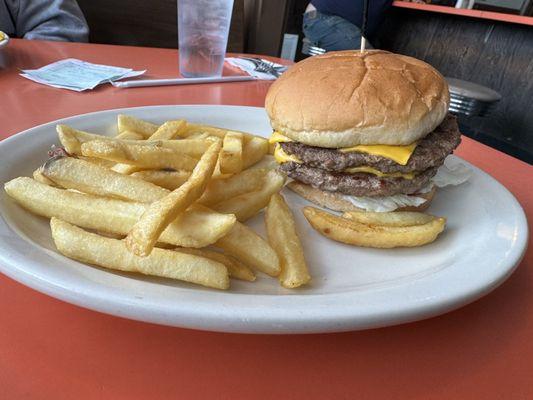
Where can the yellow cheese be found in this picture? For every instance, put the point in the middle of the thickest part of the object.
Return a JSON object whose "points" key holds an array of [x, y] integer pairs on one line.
{"points": [[370, 170], [398, 154], [282, 157], [278, 138]]}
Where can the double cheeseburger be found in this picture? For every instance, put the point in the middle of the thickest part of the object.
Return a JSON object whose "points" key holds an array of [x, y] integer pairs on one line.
{"points": [[353, 125]]}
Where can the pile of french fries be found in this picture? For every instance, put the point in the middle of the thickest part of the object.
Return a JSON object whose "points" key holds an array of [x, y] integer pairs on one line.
{"points": [[166, 200]]}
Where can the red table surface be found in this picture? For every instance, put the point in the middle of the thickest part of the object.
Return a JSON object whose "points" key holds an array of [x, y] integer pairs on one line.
{"points": [[54, 350]]}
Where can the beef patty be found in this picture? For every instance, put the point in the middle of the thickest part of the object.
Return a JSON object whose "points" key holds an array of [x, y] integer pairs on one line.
{"points": [[430, 152], [358, 184]]}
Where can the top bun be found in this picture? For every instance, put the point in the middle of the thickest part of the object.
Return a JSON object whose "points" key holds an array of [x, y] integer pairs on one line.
{"points": [[346, 98]]}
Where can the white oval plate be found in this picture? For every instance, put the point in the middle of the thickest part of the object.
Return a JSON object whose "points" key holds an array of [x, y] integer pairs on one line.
{"points": [[5, 41], [353, 288]]}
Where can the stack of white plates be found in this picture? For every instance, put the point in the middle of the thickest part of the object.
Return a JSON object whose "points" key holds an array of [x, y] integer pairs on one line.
{"points": [[471, 99]]}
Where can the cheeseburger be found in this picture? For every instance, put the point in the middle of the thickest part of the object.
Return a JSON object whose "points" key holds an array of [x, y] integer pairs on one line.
{"points": [[354, 128]]}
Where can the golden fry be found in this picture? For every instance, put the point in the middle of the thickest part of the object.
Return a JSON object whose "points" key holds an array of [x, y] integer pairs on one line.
{"points": [[200, 135], [231, 154], [284, 240], [194, 129], [235, 268], [129, 135], [253, 151], [148, 156], [168, 179], [220, 190], [145, 233], [358, 234], [250, 248], [245, 273], [73, 173], [72, 139], [39, 177], [197, 227], [91, 248], [190, 147], [127, 123], [396, 218], [124, 169], [169, 130], [98, 161], [245, 206]]}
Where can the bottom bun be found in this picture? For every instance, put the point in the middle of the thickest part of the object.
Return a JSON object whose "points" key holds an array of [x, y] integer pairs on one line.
{"points": [[335, 202]]}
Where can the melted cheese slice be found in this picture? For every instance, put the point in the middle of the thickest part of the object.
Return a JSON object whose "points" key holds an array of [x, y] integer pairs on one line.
{"points": [[282, 157], [398, 154], [278, 138]]}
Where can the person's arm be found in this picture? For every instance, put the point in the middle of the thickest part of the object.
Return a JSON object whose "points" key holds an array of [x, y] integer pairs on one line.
{"points": [[49, 20]]}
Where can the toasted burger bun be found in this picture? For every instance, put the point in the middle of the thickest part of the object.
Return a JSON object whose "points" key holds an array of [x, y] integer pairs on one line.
{"points": [[346, 98], [335, 202]]}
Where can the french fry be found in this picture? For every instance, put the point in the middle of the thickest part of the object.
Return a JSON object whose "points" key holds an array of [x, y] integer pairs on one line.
{"points": [[191, 147], [235, 268], [169, 130], [128, 123], [396, 218], [245, 206], [231, 154], [245, 273], [250, 248], [75, 243], [145, 233], [253, 151], [72, 139], [72, 173], [151, 156], [112, 235], [39, 177], [194, 129], [129, 135], [197, 227], [167, 179], [224, 189], [200, 135], [284, 240], [358, 234], [217, 174], [97, 161], [124, 169]]}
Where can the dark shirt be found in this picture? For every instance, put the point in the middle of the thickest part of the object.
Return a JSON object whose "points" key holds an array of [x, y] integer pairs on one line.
{"points": [[352, 10]]}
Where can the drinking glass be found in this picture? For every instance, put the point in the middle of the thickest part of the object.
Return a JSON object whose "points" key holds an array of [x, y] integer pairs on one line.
{"points": [[203, 27]]}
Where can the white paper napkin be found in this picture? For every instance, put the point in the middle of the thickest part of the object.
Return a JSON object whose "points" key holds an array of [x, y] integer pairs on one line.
{"points": [[77, 75], [248, 67]]}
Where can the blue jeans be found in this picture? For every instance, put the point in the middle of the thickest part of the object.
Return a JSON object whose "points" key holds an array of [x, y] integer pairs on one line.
{"points": [[332, 32]]}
